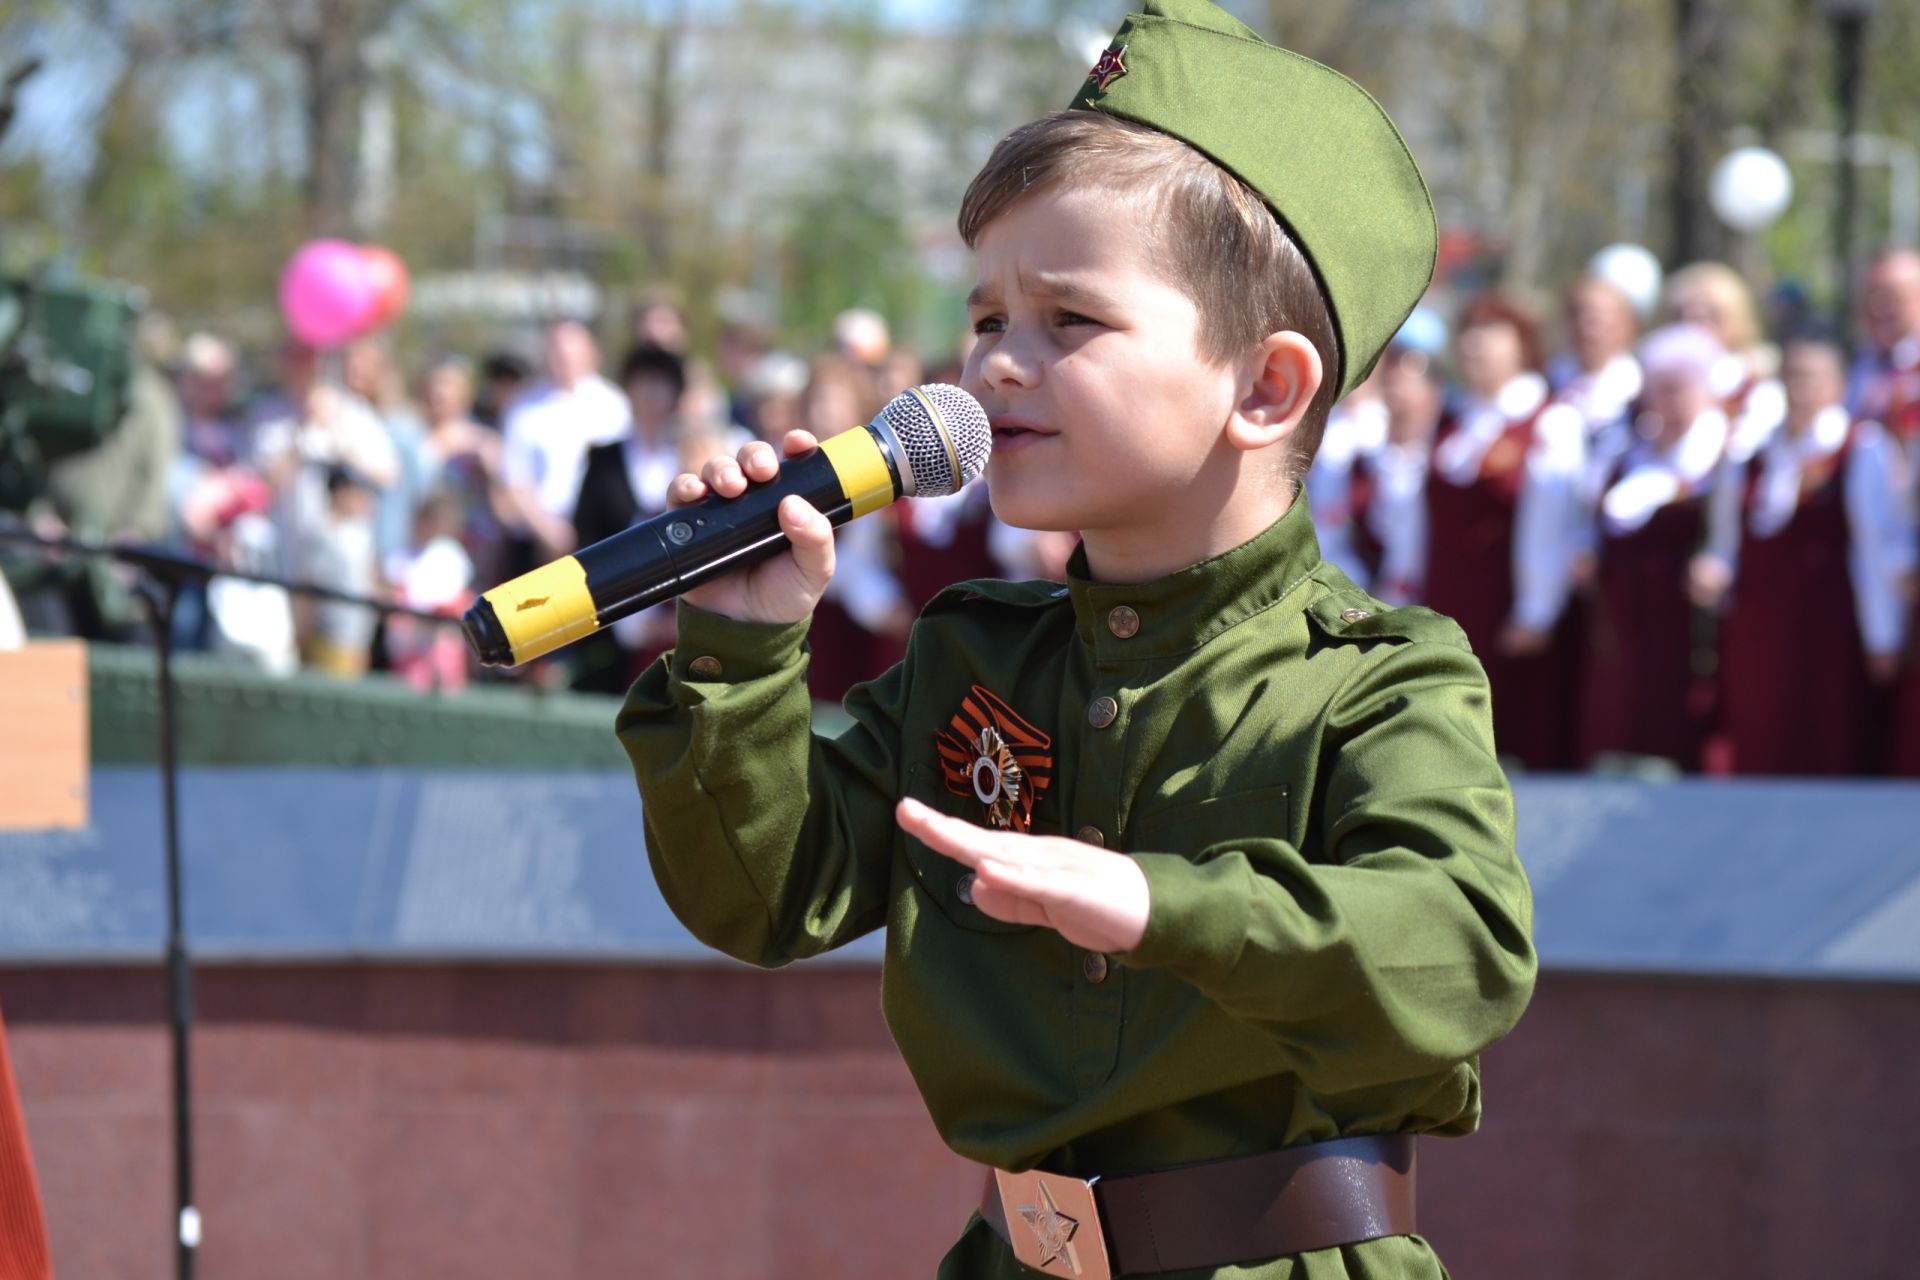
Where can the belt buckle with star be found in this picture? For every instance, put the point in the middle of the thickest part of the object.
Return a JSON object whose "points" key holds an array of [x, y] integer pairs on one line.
{"points": [[1053, 1224]]}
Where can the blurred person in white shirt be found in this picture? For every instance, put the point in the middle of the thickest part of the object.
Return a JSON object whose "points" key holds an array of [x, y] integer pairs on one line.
{"points": [[861, 624], [1714, 297], [341, 552], [548, 432], [432, 573], [1597, 374], [310, 427], [1388, 487], [624, 482], [1356, 427], [371, 373]]}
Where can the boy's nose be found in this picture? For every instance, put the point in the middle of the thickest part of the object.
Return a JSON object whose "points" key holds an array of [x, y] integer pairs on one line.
{"points": [[1008, 364]]}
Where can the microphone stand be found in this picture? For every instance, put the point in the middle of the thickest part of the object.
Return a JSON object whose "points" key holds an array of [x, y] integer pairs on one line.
{"points": [[163, 574]]}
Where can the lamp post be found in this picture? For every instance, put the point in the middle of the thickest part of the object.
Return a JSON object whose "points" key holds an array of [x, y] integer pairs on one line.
{"points": [[1848, 19]]}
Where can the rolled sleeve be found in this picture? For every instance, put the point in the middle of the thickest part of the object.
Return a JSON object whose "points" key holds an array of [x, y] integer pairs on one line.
{"points": [[712, 649]]}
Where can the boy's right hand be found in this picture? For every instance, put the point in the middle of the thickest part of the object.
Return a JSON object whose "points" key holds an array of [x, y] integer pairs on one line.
{"points": [[783, 588]]}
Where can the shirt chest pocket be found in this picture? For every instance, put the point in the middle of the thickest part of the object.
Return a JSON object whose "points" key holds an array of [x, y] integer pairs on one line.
{"points": [[946, 882], [1186, 827]]}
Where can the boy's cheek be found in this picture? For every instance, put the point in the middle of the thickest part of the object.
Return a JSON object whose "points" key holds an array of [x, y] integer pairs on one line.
{"points": [[970, 380], [1037, 509], [1008, 509]]}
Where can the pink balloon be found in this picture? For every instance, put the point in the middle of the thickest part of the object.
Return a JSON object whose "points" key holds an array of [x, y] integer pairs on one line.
{"points": [[327, 294], [389, 276]]}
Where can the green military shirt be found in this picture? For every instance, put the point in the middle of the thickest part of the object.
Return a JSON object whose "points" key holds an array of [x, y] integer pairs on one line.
{"points": [[1338, 921]]}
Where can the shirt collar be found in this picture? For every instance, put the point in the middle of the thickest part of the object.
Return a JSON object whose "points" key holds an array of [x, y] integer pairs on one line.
{"points": [[1615, 387], [1823, 438], [1521, 396], [1125, 622]]}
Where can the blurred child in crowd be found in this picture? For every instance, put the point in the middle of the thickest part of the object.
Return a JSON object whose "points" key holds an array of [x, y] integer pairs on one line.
{"points": [[433, 573]]}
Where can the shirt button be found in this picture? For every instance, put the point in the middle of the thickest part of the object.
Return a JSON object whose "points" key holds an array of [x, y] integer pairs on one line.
{"points": [[1124, 622], [1355, 615], [1101, 712], [706, 668], [964, 889], [1094, 967], [1092, 835]]}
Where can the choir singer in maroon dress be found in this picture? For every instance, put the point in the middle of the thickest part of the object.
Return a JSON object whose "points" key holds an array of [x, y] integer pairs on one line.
{"points": [[1646, 688], [1812, 544], [1497, 552]]}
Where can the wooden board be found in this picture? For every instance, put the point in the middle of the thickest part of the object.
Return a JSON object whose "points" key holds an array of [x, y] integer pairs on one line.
{"points": [[43, 736]]}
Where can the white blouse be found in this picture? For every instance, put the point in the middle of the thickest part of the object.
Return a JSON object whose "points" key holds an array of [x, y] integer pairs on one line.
{"points": [[1548, 532], [1482, 422], [1603, 397], [1654, 477], [1880, 517], [1397, 518], [1355, 429]]}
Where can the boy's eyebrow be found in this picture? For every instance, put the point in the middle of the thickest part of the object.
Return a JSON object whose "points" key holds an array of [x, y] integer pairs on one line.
{"points": [[1041, 285]]}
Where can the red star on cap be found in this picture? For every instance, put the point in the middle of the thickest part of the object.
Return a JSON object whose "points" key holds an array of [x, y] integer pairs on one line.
{"points": [[1109, 68]]}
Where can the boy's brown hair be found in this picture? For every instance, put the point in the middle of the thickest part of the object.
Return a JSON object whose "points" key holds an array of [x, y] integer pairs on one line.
{"points": [[1214, 237]]}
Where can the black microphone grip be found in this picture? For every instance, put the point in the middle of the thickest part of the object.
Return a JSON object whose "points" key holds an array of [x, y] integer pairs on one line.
{"points": [[668, 554], [638, 567]]}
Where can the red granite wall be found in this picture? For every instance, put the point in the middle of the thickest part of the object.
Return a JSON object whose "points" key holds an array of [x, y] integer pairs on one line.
{"points": [[410, 1123]]}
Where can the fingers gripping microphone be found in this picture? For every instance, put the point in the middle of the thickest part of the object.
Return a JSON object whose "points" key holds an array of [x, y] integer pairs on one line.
{"points": [[927, 442]]}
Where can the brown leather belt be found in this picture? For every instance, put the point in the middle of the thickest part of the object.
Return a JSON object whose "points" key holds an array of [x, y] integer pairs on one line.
{"points": [[1244, 1209]]}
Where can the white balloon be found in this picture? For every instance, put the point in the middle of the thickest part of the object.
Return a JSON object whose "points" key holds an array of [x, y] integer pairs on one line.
{"points": [[1634, 271], [1750, 188]]}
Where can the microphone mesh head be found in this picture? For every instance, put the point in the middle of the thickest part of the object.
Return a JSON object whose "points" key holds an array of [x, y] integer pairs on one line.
{"points": [[944, 434]]}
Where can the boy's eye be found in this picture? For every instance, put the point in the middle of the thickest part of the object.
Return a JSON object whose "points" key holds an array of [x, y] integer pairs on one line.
{"points": [[1074, 317], [989, 324]]}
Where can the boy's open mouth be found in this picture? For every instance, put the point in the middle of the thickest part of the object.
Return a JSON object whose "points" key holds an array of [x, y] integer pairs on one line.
{"points": [[1012, 430]]}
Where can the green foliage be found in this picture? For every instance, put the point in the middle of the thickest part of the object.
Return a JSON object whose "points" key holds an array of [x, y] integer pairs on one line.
{"points": [[27, 239], [1537, 120], [847, 246]]}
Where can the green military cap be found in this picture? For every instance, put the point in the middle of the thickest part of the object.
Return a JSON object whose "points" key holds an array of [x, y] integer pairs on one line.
{"points": [[1312, 142]]}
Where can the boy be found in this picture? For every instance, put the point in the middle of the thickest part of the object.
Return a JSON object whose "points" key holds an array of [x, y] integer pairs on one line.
{"points": [[1201, 863]]}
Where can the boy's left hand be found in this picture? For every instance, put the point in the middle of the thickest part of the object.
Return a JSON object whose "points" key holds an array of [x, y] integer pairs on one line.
{"points": [[1093, 898]]}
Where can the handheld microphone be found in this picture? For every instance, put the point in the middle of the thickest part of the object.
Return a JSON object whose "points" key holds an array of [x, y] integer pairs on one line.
{"points": [[928, 441]]}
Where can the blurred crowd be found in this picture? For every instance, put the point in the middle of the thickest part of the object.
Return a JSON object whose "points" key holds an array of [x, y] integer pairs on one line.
{"points": [[427, 487], [1676, 523], [1678, 532]]}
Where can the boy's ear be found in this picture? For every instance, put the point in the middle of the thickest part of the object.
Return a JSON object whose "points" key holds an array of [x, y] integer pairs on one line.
{"points": [[1285, 375]]}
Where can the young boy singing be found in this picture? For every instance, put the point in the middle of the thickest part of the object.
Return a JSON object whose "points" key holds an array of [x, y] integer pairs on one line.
{"points": [[1198, 872]]}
